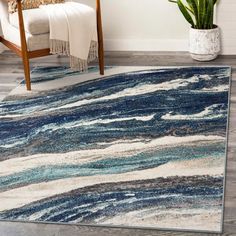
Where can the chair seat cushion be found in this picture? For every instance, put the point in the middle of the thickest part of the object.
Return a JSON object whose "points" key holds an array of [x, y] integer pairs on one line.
{"points": [[34, 42], [35, 20]]}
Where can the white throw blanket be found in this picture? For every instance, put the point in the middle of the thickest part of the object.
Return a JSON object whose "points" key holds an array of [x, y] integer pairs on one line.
{"points": [[73, 32]]}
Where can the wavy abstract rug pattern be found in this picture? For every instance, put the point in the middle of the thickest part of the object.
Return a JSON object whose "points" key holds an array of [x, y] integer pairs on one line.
{"points": [[139, 147]]}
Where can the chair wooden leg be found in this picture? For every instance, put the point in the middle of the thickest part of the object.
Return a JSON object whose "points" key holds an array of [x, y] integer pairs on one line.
{"points": [[100, 39], [26, 64], [24, 50], [101, 59]]}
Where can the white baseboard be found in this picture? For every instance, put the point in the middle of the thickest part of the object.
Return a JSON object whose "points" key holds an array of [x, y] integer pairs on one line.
{"points": [[171, 45], [146, 45], [228, 50], [142, 45]]}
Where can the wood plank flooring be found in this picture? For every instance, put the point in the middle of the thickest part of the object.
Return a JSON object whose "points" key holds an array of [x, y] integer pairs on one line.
{"points": [[11, 70]]}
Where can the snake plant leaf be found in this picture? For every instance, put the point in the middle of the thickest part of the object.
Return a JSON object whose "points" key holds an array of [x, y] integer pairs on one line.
{"points": [[194, 6], [205, 15], [210, 14], [189, 7], [201, 12], [185, 12]]}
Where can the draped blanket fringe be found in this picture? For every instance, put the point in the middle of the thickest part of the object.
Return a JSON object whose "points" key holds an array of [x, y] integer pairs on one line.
{"points": [[63, 48], [73, 32]]}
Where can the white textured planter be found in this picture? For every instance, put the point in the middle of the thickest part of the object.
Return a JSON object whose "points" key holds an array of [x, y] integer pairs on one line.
{"points": [[204, 45]]}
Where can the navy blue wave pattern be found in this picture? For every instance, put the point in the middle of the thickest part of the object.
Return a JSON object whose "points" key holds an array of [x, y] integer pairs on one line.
{"points": [[86, 205], [49, 73], [110, 165], [117, 136], [40, 112]]}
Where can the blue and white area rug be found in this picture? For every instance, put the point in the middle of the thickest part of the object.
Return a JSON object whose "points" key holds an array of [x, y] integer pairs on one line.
{"points": [[139, 147]]}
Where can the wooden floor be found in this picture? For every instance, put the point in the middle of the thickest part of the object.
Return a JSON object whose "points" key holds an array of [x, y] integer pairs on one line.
{"points": [[11, 69]]}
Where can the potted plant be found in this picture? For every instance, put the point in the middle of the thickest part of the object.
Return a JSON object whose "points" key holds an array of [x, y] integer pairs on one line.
{"points": [[204, 37]]}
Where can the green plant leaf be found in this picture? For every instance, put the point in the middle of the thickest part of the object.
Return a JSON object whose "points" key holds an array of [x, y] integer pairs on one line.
{"points": [[185, 12], [193, 4], [210, 13], [205, 16], [201, 11]]}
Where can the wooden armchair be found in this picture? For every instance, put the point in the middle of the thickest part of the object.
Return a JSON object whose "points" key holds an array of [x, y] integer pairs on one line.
{"points": [[28, 45]]}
